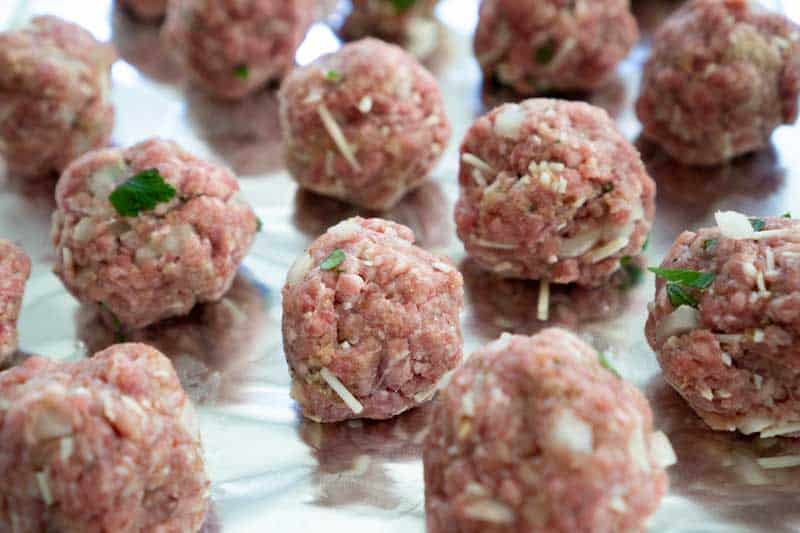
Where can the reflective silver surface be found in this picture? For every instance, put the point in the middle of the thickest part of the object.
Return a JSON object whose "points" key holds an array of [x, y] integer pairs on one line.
{"points": [[273, 471]]}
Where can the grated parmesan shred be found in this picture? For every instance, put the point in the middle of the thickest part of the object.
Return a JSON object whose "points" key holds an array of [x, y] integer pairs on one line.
{"points": [[44, 487], [477, 162], [490, 511], [782, 429], [338, 137], [495, 245], [784, 461], [607, 250], [339, 388], [543, 307]]}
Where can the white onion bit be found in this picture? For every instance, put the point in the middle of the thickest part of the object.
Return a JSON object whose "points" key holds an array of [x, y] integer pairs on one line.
{"points": [[339, 388], [682, 320], [662, 450], [734, 225], [477, 162]]}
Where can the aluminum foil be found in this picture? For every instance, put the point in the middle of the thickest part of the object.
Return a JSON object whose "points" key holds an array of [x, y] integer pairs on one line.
{"points": [[274, 471]]}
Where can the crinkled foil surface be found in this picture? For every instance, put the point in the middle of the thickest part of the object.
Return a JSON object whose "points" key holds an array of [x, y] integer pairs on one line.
{"points": [[274, 471]]}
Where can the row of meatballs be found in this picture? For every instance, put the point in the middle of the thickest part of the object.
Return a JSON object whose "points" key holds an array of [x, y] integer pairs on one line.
{"points": [[367, 124]]}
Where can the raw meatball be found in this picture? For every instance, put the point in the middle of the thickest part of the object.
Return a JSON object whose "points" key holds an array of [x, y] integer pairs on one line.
{"points": [[408, 23], [146, 9], [54, 96], [143, 268], [232, 48], [733, 349], [103, 444], [723, 75], [370, 322], [532, 434], [15, 267], [551, 190], [537, 46], [364, 125]]}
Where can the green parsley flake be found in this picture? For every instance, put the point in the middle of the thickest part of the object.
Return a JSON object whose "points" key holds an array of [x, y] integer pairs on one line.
{"points": [[333, 76], [678, 296], [403, 5], [259, 225], [142, 192], [332, 261], [787, 214], [710, 244], [632, 271], [605, 363], [646, 243], [241, 72], [686, 278], [757, 223], [546, 53], [607, 188]]}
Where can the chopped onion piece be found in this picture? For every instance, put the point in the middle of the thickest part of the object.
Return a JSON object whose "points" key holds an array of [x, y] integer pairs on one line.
{"points": [[299, 269], [580, 244], [509, 121], [338, 137], [662, 450], [782, 429], [543, 307], [785, 461], [729, 338], [734, 225], [339, 388], [682, 320], [571, 433], [477, 162], [490, 511], [607, 250]]}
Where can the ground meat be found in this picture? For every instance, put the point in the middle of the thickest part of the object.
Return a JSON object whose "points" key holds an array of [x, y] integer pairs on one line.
{"points": [[372, 336], [723, 75], [103, 444], [365, 125], [54, 96], [735, 358], [532, 434], [408, 23], [15, 267], [551, 190], [150, 10], [538, 46], [141, 269], [232, 48]]}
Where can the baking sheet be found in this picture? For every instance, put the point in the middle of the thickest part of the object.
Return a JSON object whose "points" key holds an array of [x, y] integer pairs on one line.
{"points": [[273, 471]]}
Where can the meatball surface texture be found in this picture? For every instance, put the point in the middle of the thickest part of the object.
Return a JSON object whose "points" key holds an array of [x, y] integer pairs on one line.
{"points": [[370, 322], [103, 444], [533, 434], [142, 268]]}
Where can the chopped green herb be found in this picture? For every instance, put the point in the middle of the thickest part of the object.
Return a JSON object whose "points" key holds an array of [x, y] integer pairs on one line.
{"points": [[632, 271], [757, 223], [333, 75], [787, 214], [605, 363], [710, 244], [678, 296], [546, 53], [687, 278], [241, 72], [607, 187], [332, 261], [259, 225], [403, 5], [646, 243], [141, 192]]}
